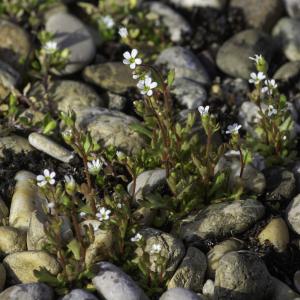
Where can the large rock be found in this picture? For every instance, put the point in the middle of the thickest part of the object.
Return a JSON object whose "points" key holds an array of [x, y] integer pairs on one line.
{"points": [[260, 14], [287, 34], [191, 272], [222, 219], [175, 23], [218, 251], [15, 143], [113, 76], [185, 64], [69, 32], [31, 291], [69, 94], [293, 214], [20, 266], [219, 4], [79, 294], [233, 55], [276, 233], [113, 284], [11, 240], [15, 44], [180, 294], [112, 128], [171, 248], [242, 276], [282, 291], [288, 71], [292, 7]]}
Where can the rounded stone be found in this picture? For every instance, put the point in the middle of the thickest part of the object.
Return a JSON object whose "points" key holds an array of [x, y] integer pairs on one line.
{"points": [[218, 4], [276, 233], [113, 76], [180, 294], [218, 251], [15, 143], [297, 281], [282, 291], [20, 266], [208, 289], [31, 291], [191, 272], [287, 35], [69, 94], [221, 220], [15, 44], [233, 55], [292, 8], [242, 276], [9, 79], [69, 32], [288, 71], [185, 63], [79, 294], [11, 240], [293, 213]]}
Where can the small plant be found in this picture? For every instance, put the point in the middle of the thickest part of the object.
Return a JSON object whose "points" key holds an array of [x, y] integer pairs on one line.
{"points": [[274, 130]]}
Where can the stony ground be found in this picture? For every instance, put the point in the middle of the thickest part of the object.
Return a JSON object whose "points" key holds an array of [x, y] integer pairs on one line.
{"points": [[244, 250]]}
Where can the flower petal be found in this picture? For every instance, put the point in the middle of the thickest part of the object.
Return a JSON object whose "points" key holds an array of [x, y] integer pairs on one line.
{"points": [[132, 66], [134, 53], [127, 55], [46, 173], [138, 61]]}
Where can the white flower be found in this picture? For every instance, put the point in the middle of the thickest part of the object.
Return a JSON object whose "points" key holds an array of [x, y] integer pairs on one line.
{"points": [[156, 248], [69, 179], [123, 32], [119, 205], [146, 86], [257, 78], [82, 214], [108, 21], [50, 47], [103, 214], [136, 238], [51, 205], [271, 85], [131, 59], [234, 128], [120, 155], [203, 110], [46, 178], [135, 75], [256, 58], [95, 166], [271, 110]]}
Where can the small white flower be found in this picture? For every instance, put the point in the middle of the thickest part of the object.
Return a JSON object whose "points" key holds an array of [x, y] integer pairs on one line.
{"points": [[50, 47], [234, 128], [257, 78], [131, 59], [69, 179], [256, 58], [123, 32], [203, 110], [136, 238], [271, 111], [51, 205], [119, 205], [120, 155], [146, 86], [108, 21], [82, 214], [95, 166], [46, 178], [284, 137], [156, 248], [135, 75], [270, 86], [103, 214]]}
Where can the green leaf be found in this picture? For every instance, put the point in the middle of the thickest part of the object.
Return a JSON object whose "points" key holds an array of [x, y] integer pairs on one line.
{"points": [[218, 184], [49, 127], [43, 275], [171, 77], [74, 247], [141, 129]]}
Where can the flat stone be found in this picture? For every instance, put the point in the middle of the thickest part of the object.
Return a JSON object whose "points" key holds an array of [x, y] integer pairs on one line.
{"points": [[30, 291], [15, 143], [111, 128], [180, 294], [113, 76], [287, 35], [242, 276], [191, 272], [113, 284], [69, 32], [177, 26], [11, 240], [218, 251], [260, 14], [293, 213], [20, 266], [46, 145], [233, 55], [79, 294], [15, 44], [221, 220], [185, 63], [69, 94], [276, 233]]}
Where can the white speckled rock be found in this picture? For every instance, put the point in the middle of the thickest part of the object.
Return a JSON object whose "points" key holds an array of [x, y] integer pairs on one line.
{"points": [[293, 213], [78, 294], [199, 3], [11, 240], [69, 32], [113, 284], [208, 289], [15, 143], [180, 294]]}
